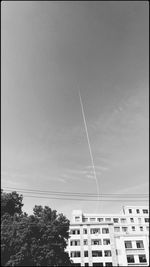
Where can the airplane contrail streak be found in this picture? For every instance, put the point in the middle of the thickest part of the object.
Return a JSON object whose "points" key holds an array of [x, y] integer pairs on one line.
{"points": [[89, 145]]}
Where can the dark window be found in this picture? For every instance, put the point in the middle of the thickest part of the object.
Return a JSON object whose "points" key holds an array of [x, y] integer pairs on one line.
{"points": [[130, 258], [137, 211], [75, 243], [107, 253], [130, 210], [108, 264], [105, 230], [106, 241], [97, 264], [133, 228], [96, 242], [85, 253], [142, 258], [145, 211], [118, 252], [146, 220], [74, 231], [85, 242], [95, 231], [75, 254], [141, 228], [124, 229], [139, 244], [128, 244], [116, 220], [85, 231], [96, 253], [100, 219], [131, 219], [86, 264]]}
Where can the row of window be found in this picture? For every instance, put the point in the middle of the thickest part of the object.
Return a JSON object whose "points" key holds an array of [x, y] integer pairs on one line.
{"points": [[106, 230], [125, 229], [92, 231], [142, 258], [93, 242], [139, 219], [145, 211], [95, 253], [116, 220], [139, 244], [94, 264]]}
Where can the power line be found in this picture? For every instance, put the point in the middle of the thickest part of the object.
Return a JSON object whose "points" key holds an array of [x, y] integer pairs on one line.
{"points": [[23, 190]]}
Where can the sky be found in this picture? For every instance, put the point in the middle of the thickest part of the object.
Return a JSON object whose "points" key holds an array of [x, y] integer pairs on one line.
{"points": [[50, 51]]}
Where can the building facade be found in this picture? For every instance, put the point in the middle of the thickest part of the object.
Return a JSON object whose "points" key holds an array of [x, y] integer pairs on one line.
{"points": [[110, 239]]}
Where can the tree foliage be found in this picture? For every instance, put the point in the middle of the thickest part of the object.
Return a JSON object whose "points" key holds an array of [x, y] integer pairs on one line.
{"points": [[36, 240], [11, 203]]}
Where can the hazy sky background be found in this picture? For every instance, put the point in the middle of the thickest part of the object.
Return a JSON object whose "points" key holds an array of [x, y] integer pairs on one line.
{"points": [[49, 51]]}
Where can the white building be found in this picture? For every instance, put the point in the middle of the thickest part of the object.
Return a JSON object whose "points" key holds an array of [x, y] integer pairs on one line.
{"points": [[110, 239]]}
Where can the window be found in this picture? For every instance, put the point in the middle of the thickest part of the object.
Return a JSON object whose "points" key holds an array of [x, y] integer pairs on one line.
{"points": [[145, 211], [116, 220], [85, 253], [96, 242], [85, 242], [92, 219], [75, 243], [141, 228], [108, 264], [131, 220], [86, 264], [77, 264], [97, 264], [74, 231], [139, 244], [95, 231], [146, 220], [128, 244], [123, 220], [142, 258], [100, 219], [107, 219], [133, 228], [117, 229], [77, 219], [137, 211], [124, 229], [130, 258], [85, 219], [106, 241], [130, 210], [85, 231], [96, 253], [147, 228], [75, 254], [118, 251], [107, 253], [105, 230]]}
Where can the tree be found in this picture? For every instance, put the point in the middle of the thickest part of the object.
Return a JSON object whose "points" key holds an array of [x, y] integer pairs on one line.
{"points": [[11, 203], [36, 240]]}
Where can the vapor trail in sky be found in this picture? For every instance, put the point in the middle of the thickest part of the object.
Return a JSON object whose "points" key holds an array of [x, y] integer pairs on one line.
{"points": [[89, 145]]}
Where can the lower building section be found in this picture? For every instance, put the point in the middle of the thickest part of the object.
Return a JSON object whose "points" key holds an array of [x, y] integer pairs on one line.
{"points": [[110, 240]]}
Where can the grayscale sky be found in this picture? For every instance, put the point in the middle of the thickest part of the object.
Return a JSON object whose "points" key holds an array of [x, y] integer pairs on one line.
{"points": [[50, 50]]}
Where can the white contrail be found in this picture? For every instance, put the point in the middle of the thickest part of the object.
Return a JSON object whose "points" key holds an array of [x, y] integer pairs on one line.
{"points": [[90, 150]]}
